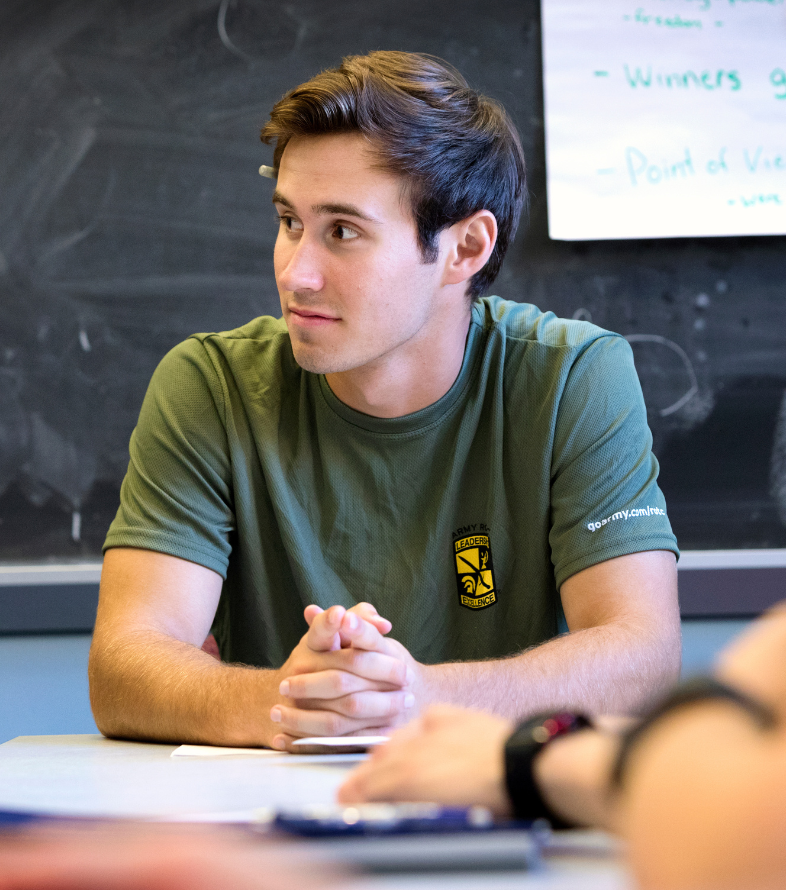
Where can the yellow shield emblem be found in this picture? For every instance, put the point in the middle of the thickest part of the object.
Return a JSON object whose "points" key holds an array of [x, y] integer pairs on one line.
{"points": [[475, 572]]}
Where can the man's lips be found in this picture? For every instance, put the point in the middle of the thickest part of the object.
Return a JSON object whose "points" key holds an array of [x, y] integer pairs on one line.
{"points": [[310, 317]]}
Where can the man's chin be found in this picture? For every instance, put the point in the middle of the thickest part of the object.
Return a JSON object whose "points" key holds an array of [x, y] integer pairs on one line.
{"points": [[315, 363]]}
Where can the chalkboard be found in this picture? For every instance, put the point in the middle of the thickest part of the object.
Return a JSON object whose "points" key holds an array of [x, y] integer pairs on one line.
{"points": [[132, 215]]}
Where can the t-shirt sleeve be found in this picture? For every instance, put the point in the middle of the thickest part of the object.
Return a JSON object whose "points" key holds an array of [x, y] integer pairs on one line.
{"points": [[176, 497], [604, 492]]}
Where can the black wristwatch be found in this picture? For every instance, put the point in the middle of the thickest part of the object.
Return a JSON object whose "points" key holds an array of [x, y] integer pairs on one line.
{"points": [[521, 749]]}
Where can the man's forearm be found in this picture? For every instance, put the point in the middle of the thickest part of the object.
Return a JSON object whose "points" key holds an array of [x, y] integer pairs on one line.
{"points": [[150, 686], [600, 670]]}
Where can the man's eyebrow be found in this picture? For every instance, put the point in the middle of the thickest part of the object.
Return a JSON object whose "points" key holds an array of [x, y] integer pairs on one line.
{"points": [[327, 209], [343, 210]]}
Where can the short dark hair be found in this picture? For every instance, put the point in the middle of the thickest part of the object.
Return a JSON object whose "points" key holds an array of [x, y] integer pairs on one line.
{"points": [[457, 150]]}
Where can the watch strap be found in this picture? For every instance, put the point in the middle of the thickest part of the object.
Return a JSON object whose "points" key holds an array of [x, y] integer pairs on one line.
{"points": [[522, 747], [696, 689]]}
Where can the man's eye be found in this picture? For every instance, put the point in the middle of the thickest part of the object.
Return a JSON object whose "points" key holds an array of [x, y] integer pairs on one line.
{"points": [[345, 233], [291, 224]]}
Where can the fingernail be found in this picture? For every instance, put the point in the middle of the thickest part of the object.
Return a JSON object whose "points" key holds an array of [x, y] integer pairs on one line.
{"points": [[284, 688], [279, 742], [275, 715], [352, 621], [409, 700]]}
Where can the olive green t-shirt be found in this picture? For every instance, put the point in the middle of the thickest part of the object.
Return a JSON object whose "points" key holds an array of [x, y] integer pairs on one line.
{"points": [[458, 522]]}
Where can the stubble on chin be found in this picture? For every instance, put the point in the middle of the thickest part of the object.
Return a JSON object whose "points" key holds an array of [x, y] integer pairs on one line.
{"points": [[312, 364], [317, 361]]}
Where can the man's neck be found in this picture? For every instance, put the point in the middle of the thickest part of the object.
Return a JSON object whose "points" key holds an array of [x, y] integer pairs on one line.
{"points": [[408, 381]]}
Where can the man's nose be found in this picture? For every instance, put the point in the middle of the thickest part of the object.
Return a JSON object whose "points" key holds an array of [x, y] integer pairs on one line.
{"points": [[302, 268]]}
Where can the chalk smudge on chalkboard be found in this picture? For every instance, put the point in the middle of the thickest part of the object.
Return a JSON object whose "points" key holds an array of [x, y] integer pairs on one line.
{"points": [[68, 241], [692, 387], [222, 33], [59, 464], [256, 32]]}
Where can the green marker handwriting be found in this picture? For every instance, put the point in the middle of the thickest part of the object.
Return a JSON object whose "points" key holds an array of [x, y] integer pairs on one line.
{"points": [[640, 169], [663, 21], [646, 78], [778, 80], [756, 160], [756, 200], [643, 170], [762, 2]]}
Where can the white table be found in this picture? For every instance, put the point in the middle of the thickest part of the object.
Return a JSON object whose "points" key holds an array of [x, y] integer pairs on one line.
{"points": [[89, 775]]}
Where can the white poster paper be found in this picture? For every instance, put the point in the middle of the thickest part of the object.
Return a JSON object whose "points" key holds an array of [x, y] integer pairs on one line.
{"points": [[665, 119]]}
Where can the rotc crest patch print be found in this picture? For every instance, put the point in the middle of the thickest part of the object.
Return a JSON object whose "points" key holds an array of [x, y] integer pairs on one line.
{"points": [[475, 572]]}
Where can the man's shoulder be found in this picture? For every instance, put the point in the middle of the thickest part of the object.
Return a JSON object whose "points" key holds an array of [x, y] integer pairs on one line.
{"points": [[264, 332], [257, 353], [262, 345], [526, 324]]}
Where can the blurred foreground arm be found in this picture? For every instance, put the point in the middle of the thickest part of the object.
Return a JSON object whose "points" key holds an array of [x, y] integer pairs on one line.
{"points": [[703, 803], [137, 857]]}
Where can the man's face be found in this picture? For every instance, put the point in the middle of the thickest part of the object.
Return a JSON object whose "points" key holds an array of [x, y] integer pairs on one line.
{"points": [[354, 289]]}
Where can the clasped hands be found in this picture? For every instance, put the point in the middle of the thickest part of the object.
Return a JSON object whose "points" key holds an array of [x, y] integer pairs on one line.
{"points": [[345, 677]]}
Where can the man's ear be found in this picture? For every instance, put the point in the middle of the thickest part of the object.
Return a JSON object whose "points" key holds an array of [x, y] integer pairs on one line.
{"points": [[467, 246]]}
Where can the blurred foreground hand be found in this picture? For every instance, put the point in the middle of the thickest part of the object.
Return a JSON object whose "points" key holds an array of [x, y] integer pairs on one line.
{"points": [[449, 755], [151, 857]]}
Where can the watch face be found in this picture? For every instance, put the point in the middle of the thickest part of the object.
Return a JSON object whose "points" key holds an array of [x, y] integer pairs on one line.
{"points": [[541, 734], [532, 734]]}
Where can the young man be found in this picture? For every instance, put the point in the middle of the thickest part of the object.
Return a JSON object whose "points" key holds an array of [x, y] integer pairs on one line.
{"points": [[393, 446], [700, 788]]}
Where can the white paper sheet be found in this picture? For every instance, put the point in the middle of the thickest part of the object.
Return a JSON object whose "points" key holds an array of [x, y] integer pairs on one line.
{"points": [[332, 744], [665, 118], [344, 741], [215, 751]]}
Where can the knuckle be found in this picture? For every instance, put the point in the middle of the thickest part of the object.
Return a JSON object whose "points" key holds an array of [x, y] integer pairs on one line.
{"points": [[333, 724], [371, 635], [344, 682], [295, 687], [294, 721], [353, 705], [288, 720], [389, 671], [355, 658], [395, 704], [398, 672]]}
